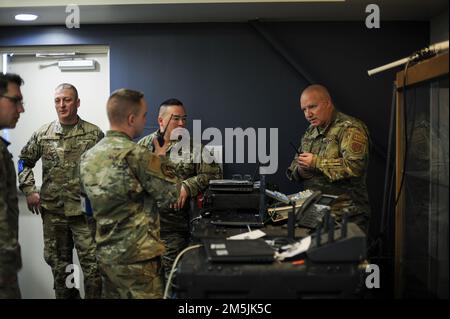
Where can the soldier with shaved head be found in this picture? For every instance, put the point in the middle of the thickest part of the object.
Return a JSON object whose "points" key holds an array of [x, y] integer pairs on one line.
{"points": [[60, 144], [333, 154]]}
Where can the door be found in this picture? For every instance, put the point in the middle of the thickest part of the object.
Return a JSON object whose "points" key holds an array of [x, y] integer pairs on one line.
{"points": [[38, 66]]}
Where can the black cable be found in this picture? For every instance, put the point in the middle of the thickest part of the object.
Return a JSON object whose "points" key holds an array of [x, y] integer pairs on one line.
{"points": [[414, 58], [405, 77], [391, 192], [389, 168], [388, 183], [387, 197]]}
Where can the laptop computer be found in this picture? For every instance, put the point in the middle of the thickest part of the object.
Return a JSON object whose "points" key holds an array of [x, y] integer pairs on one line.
{"points": [[238, 251]]}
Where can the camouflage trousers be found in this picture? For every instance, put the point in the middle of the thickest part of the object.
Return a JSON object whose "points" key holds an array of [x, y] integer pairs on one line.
{"points": [[61, 235], [175, 242], [9, 287], [141, 280]]}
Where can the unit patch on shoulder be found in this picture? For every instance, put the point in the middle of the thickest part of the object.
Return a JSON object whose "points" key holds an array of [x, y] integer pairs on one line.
{"points": [[357, 142], [356, 147]]}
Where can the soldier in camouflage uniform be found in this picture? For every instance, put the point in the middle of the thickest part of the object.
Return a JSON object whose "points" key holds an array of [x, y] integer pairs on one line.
{"points": [[124, 184], [60, 145], [195, 177], [10, 261], [333, 154]]}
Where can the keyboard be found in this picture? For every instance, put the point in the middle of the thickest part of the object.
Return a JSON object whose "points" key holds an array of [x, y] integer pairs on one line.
{"points": [[312, 218]]}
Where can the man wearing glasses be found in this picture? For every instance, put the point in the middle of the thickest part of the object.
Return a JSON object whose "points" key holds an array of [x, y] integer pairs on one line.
{"points": [[11, 106], [60, 144], [195, 178]]}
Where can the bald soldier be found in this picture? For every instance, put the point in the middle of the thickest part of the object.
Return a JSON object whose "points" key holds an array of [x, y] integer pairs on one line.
{"points": [[333, 154], [60, 144], [124, 183]]}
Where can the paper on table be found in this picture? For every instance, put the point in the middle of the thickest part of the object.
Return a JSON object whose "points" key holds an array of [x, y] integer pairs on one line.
{"points": [[255, 234], [294, 249]]}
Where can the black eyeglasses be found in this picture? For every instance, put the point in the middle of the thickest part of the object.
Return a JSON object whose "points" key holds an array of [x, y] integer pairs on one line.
{"points": [[176, 118], [16, 100]]}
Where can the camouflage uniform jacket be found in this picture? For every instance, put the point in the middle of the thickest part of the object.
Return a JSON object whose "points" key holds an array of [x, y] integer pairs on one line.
{"points": [[60, 151], [10, 261], [341, 156], [124, 183], [195, 177]]}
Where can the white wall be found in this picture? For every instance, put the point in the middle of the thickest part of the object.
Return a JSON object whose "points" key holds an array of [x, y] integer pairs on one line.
{"points": [[35, 278], [38, 90]]}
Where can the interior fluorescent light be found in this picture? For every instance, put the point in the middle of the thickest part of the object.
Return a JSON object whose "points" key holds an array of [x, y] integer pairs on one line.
{"points": [[54, 54], [25, 17], [77, 65]]}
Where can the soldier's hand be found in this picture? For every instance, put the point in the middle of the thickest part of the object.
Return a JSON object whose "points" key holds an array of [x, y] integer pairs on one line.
{"points": [[305, 160], [160, 151], [181, 199], [34, 203]]}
